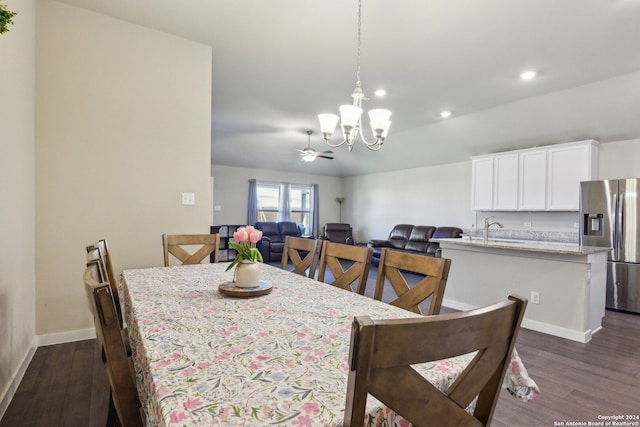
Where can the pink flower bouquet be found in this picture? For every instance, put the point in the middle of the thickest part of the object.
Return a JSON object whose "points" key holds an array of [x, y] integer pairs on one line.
{"points": [[245, 245]]}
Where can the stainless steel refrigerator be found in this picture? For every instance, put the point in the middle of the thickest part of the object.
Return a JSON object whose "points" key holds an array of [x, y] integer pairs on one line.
{"points": [[610, 216]]}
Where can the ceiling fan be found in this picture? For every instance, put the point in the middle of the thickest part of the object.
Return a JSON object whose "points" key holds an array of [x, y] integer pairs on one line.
{"points": [[308, 154]]}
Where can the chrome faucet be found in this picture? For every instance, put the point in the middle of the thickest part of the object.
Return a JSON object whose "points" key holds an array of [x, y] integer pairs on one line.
{"points": [[485, 230]]}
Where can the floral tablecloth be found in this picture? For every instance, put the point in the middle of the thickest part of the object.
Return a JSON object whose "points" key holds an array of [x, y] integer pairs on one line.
{"points": [[204, 358]]}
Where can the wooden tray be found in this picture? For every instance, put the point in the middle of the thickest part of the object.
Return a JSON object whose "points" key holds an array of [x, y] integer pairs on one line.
{"points": [[229, 288]]}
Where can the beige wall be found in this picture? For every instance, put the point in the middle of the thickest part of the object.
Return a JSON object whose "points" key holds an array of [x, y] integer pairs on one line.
{"points": [[620, 159], [123, 128], [17, 195], [231, 191], [435, 195]]}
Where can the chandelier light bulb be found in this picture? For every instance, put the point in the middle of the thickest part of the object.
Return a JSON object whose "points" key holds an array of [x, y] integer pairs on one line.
{"points": [[350, 115], [380, 122], [328, 124]]}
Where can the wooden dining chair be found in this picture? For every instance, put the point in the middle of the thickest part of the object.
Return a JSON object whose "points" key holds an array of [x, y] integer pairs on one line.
{"points": [[105, 255], [347, 264], [124, 399], [382, 353], [206, 245], [95, 258], [303, 254], [100, 250], [395, 265]]}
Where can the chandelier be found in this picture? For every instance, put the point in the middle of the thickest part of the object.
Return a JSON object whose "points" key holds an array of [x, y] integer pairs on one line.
{"points": [[351, 115]]}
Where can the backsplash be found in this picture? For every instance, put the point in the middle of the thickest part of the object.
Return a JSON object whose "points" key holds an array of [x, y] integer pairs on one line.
{"points": [[545, 236], [541, 226]]}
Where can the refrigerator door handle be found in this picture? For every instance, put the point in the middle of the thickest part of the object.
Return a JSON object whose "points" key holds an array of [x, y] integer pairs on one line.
{"points": [[619, 227], [614, 227]]}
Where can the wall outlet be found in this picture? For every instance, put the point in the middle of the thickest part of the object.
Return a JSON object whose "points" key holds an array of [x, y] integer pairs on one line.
{"points": [[527, 223], [535, 297]]}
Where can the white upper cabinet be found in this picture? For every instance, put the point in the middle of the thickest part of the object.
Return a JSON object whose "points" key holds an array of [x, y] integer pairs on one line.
{"points": [[567, 165], [505, 182], [482, 183], [545, 178], [532, 180]]}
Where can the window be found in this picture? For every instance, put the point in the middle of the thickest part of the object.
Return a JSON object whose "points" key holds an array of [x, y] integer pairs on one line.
{"points": [[268, 202], [286, 202], [300, 204]]}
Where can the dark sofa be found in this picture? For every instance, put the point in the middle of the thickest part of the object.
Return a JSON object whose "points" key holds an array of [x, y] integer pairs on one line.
{"points": [[415, 239], [273, 235]]}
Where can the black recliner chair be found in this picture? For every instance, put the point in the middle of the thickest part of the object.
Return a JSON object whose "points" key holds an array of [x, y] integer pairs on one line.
{"points": [[338, 233]]}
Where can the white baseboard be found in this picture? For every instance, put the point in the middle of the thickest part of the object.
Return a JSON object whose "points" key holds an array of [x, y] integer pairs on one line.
{"points": [[534, 325], [570, 334], [11, 389], [63, 337], [458, 305]]}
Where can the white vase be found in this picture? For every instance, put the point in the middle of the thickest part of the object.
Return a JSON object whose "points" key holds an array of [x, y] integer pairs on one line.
{"points": [[247, 274]]}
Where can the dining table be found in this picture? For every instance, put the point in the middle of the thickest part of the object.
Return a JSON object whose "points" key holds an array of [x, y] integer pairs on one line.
{"points": [[206, 356]]}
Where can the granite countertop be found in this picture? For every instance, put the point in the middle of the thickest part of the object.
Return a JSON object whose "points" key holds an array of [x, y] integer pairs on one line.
{"points": [[527, 245]]}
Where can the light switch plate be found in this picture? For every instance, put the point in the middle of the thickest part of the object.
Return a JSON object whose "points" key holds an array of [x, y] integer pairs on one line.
{"points": [[188, 199]]}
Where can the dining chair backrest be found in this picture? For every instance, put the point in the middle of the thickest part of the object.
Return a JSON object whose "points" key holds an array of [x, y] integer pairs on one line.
{"points": [[347, 264], [382, 353], [394, 266], [206, 245], [99, 270], [116, 362], [302, 253], [100, 250], [105, 255], [96, 260]]}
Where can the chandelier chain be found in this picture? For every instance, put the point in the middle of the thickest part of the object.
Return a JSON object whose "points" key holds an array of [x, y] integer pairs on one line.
{"points": [[359, 43]]}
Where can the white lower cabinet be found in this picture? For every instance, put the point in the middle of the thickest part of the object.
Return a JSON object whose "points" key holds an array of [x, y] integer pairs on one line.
{"points": [[545, 178]]}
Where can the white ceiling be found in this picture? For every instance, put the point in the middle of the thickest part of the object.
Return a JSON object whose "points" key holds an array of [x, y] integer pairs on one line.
{"points": [[278, 63]]}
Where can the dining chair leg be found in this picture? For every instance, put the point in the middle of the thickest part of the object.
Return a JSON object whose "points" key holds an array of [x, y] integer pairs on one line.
{"points": [[112, 417]]}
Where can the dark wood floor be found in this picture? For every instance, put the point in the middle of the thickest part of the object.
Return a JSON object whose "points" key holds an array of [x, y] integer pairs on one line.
{"points": [[579, 382], [65, 385]]}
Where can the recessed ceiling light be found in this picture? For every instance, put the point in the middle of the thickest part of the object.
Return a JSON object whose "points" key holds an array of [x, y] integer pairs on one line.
{"points": [[527, 75], [380, 92], [445, 114]]}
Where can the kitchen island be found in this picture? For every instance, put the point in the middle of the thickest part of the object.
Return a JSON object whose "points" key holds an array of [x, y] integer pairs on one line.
{"points": [[569, 281]]}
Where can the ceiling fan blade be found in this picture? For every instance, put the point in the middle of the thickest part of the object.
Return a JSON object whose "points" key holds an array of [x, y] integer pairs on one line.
{"points": [[325, 157], [326, 152]]}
